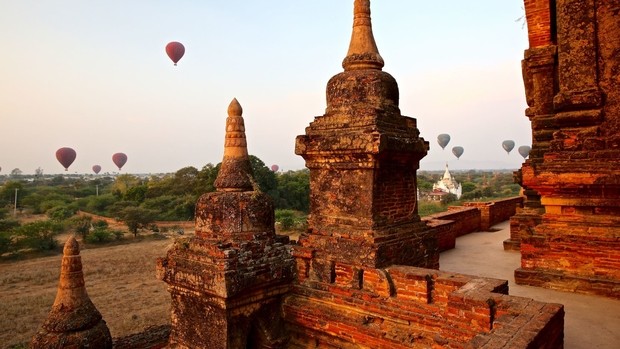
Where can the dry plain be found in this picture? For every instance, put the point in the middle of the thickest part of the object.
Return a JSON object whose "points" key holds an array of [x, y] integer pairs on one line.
{"points": [[120, 281]]}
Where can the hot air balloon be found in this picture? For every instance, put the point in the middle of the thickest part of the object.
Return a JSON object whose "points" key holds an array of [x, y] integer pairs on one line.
{"points": [[175, 51], [275, 168], [119, 160], [96, 169], [65, 156], [508, 145], [443, 140], [458, 151], [524, 150]]}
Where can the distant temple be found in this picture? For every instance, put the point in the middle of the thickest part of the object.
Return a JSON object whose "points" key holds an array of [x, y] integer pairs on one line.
{"points": [[447, 184]]}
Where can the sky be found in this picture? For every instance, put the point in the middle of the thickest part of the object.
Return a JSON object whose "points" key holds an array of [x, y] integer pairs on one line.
{"points": [[94, 76]]}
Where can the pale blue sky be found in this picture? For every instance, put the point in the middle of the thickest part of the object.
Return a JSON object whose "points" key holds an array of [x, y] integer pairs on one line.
{"points": [[93, 75]]}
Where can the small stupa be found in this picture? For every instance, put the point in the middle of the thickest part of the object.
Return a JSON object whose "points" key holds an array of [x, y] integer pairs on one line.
{"points": [[74, 321], [227, 281]]}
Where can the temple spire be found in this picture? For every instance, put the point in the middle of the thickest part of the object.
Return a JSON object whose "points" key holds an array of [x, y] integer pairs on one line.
{"points": [[363, 52], [73, 321], [236, 171]]}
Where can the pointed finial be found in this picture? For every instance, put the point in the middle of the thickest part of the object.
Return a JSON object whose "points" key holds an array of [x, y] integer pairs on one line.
{"points": [[73, 320], [363, 52], [236, 172]]}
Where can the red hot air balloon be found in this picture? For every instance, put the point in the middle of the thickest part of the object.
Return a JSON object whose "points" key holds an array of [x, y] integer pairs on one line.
{"points": [[175, 50], [65, 156], [96, 169], [119, 160], [275, 168]]}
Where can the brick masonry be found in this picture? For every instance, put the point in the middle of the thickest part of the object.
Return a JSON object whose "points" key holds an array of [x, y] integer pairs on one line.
{"points": [[570, 71]]}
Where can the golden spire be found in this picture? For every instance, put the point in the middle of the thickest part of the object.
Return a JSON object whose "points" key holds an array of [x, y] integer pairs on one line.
{"points": [[236, 172], [363, 52]]}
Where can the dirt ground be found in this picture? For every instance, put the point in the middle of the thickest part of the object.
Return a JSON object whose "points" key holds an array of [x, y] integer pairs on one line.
{"points": [[120, 281]]}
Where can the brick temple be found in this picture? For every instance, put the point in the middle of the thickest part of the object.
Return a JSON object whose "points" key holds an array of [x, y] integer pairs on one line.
{"points": [[569, 229], [365, 273]]}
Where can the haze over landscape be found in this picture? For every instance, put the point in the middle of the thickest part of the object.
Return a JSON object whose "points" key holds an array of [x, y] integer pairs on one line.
{"points": [[94, 76]]}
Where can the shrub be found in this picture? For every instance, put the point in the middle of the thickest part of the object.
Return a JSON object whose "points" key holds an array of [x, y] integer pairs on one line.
{"points": [[81, 224], [39, 235], [59, 213], [99, 236], [286, 219], [100, 223], [6, 242]]}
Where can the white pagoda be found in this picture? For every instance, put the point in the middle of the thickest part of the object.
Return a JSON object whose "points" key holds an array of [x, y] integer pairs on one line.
{"points": [[448, 184]]}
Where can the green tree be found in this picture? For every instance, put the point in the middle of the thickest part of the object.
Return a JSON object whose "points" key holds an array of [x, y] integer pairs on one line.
{"points": [[81, 225], [468, 187], [123, 183], [264, 176], [39, 235], [136, 218], [285, 218], [99, 204], [448, 199], [6, 242], [7, 193], [60, 213], [293, 190], [205, 179]]}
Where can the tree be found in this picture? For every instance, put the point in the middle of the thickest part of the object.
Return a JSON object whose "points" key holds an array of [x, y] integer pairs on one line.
{"points": [[136, 218], [7, 193], [468, 187], [39, 235], [123, 182], [293, 190], [81, 225], [16, 172], [264, 176], [60, 213]]}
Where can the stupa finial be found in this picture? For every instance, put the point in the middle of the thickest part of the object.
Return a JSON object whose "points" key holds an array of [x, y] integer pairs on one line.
{"points": [[363, 52], [236, 172], [73, 320]]}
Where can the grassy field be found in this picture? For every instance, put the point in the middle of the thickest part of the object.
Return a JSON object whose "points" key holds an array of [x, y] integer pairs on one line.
{"points": [[120, 281]]}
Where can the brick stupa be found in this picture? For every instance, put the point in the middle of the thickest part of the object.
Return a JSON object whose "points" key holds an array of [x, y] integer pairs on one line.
{"points": [[73, 322], [363, 156], [366, 267], [227, 281]]}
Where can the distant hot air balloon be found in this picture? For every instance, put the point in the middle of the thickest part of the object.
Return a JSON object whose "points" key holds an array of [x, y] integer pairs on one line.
{"points": [[443, 140], [508, 145], [275, 168], [65, 156], [96, 169], [175, 51], [458, 151], [524, 150], [119, 160]]}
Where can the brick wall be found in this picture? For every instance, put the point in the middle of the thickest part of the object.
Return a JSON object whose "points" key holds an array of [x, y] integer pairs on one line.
{"points": [[538, 16], [472, 217], [409, 307], [495, 212]]}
